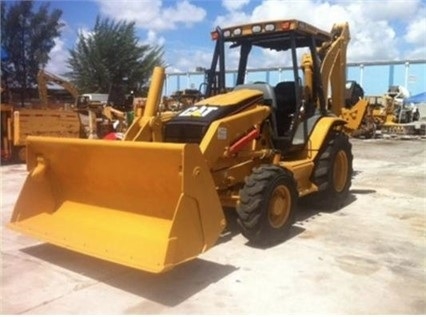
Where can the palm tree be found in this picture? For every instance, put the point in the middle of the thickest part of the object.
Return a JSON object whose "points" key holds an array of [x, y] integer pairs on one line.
{"points": [[111, 60]]}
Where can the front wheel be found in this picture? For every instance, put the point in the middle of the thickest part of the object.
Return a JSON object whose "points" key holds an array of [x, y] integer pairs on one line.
{"points": [[267, 204]]}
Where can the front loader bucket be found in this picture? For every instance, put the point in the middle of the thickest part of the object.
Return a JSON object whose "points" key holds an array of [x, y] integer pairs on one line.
{"points": [[145, 205]]}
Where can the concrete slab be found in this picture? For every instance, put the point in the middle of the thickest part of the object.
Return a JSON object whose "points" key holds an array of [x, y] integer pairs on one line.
{"points": [[367, 258]]}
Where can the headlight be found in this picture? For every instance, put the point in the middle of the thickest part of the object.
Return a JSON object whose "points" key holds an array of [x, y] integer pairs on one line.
{"points": [[269, 27], [237, 32], [256, 28]]}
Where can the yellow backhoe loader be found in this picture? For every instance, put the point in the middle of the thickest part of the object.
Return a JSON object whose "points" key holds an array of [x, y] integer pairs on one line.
{"points": [[156, 199]]}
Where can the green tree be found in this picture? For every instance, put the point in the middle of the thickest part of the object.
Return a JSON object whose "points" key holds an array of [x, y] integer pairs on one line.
{"points": [[110, 59], [28, 36]]}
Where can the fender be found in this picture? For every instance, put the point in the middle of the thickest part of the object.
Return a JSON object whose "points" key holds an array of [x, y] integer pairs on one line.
{"points": [[320, 132]]}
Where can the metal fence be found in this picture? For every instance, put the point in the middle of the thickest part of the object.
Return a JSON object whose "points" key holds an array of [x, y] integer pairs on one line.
{"points": [[374, 77]]}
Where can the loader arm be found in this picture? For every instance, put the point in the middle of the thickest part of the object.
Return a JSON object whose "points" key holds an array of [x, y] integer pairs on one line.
{"points": [[148, 126]]}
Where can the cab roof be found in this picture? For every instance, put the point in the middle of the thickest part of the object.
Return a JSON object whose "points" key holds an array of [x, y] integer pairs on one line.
{"points": [[275, 35]]}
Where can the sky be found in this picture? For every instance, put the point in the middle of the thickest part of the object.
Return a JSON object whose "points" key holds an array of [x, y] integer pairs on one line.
{"points": [[380, 30]]}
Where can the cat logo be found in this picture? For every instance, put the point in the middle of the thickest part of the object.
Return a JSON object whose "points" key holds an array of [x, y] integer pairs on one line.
{"points": [[198, 111]]}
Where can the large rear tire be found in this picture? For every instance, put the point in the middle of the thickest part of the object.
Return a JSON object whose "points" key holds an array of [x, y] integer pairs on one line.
{"points": [[266, 209], [333, 171]]}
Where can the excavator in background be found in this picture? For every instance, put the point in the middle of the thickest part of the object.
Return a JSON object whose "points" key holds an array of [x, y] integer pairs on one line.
{"points": [[44, 77], [100, 116], [104, 117], [17, 123], [255, 149], [53, 119]]}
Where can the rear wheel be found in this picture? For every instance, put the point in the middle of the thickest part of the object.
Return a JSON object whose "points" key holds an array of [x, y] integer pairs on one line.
{"points": [[267, 204], [333, 171]]}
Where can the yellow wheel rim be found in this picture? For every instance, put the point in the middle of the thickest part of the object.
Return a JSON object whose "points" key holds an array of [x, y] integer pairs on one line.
{"points": [[340, 171], [279, 206]]}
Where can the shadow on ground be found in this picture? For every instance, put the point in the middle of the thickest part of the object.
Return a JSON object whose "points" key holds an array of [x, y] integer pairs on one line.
{"points": [[170, 288], [174, 287], [308, 208]]}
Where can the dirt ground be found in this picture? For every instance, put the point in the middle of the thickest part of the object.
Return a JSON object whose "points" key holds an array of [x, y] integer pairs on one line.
{"points": [[367, 258]]}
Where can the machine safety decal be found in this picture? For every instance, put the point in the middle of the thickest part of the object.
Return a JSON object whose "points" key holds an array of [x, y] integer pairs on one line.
{"points": [[222, 133], [198, 111]]}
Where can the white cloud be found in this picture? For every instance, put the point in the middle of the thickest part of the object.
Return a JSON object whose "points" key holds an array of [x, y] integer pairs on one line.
{"points": [[321, 15], [415, 33], [153, 39], [232, 5], [389, 10], [375, 40], [230, 19], [58, 58], [380, 30], [375, 26], [153, 14], [188, 60], [417, 53], [185, 13]]}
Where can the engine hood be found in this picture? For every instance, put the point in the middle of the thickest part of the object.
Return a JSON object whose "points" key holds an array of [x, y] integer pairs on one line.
{"points": [[190, 125]]}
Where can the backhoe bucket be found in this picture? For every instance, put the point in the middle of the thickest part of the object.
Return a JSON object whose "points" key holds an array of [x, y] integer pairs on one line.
{"points": [[145, 205]]}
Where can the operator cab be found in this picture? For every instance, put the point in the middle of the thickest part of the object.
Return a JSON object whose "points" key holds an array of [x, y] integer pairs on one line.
{"points": [[292, 100]]}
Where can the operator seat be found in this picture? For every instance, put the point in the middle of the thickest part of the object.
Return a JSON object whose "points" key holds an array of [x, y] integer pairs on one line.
{"points": [[268, 98], [285, 94], [268, 92]]}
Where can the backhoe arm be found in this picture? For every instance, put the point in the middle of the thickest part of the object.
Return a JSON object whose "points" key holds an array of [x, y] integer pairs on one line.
{"points": [[333, 65]]}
